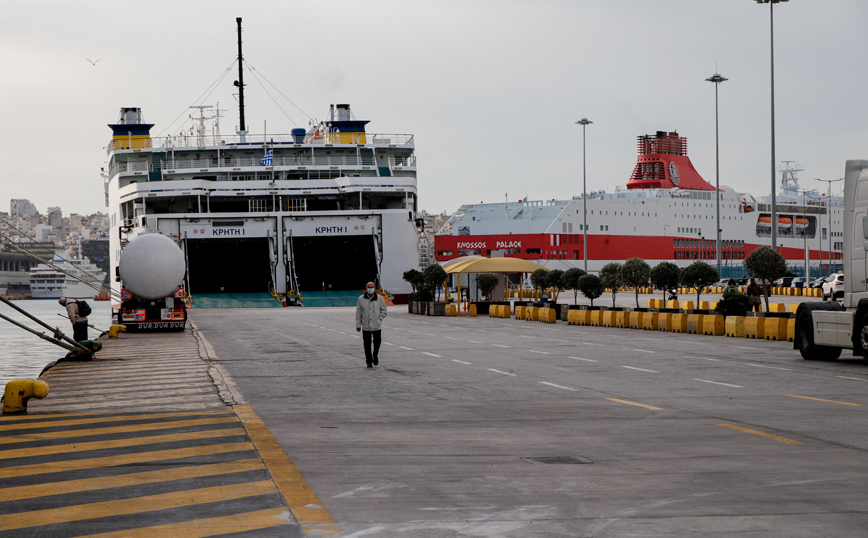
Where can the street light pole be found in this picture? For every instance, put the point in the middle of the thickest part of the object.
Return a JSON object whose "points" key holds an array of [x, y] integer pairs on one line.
{"points": [[829, 211], [771, 4], [805, 233], [717, 79], [584, 122]]}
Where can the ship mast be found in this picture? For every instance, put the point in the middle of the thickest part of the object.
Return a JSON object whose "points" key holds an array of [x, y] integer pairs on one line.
{"points": [[242, 131]]}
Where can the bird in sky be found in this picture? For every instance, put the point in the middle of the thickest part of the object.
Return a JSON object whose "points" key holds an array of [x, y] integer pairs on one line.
{"points": [[93, 62]]}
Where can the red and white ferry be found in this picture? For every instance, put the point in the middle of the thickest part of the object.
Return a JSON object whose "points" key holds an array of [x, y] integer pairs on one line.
{"points": [[666, 212]]}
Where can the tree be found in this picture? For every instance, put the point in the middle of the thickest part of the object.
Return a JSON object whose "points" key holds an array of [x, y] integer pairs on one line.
{"points": [[591, 287], [538, 278], [698, 275], [766, 265], [665, 276], [553, 281], [610, 277], [486, 282], [435, 276], [412, 276], [570, 281], [634, 272]]}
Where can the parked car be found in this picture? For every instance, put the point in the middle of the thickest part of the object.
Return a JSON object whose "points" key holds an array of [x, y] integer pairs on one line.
{"points": [[783, 282], [834, 286], [798, 282], [817, 282]]}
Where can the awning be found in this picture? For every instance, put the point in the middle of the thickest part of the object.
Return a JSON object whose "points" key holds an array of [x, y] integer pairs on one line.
{"points": [[493, 265]]}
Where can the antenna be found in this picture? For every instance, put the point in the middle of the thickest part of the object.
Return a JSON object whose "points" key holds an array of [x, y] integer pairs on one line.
{"points": [[240, 84]]}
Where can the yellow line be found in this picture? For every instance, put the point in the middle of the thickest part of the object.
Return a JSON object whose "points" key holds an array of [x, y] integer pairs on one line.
{"points": [[761, 434], [634, 403], [136, 416], [212, 526], [822, 400], [117, 443], [125, 459], [149, 503], [299, 496], [18, 493]]}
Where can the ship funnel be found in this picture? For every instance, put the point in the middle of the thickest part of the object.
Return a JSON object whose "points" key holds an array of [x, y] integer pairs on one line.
{"points": [[343, 112], [130, 116]]}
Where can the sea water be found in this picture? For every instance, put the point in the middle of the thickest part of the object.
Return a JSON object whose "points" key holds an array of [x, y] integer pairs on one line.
{"points": [[23, 355]]}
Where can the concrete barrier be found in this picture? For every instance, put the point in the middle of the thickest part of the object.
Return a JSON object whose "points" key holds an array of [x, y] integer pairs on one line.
{"points": [[734, 326], [636, 319], [713, 325], [609, 318], [596, 318], [519, 312], [622, 319], [679, 323], [703, 305], [452, 310], [671, 304], [664, 322], [531, 313], [571, 317], [754, 327], [548, 315], [472, 310], [694, 323], [652, 303], [793, 307], [687, 305], [650, 321], [775, 328], [791, 329], [583, 317], [777, 307]]}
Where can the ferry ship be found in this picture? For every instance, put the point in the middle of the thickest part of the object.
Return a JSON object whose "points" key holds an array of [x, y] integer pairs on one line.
{"points": [[80, 279], [665, 212], [312, 212]]}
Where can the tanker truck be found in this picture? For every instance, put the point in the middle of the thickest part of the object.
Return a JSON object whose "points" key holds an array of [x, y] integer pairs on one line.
{"points": [[151, 272]]}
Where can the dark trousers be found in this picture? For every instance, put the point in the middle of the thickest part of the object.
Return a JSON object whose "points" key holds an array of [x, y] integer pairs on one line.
{"points": [[366, 338], [79, 331]]}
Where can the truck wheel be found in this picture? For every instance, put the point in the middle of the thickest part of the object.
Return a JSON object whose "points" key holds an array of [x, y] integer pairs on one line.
{"points": [[863, 336], [807, 348]]}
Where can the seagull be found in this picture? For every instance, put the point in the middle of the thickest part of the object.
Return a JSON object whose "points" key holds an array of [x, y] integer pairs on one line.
{"points": [[93, 62]]}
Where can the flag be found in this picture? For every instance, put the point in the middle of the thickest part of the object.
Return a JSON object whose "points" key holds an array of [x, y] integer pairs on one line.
{"points": [[267, 159]]}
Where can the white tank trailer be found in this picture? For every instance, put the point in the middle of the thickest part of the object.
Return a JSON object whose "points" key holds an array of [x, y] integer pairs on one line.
{"points": [[151, 271]]}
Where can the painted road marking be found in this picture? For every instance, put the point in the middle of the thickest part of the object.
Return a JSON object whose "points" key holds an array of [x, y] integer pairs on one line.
{"points": [[499, 345], [701, 358], [717, 383], [388, 343], [772, 367], [432, 354], [250, 521], [822, 400], [407, 348], [429, 334], [77, 422], [540, 352], [750, 348], [640, 369], [592, 344], [558, 386], [475, 342], [449, 338], [761, 434], [639, 350], [634, 403], [462, 362], [414, 332], [853, 378], [581, 359], [500, 372]]}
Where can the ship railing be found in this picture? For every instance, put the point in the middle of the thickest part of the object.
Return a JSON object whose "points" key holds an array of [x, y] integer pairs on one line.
{"points": [[194, 140], [353, 161]]}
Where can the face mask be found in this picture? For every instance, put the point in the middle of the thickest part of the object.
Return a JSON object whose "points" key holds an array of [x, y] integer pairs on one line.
{"points": [[370, 291]]}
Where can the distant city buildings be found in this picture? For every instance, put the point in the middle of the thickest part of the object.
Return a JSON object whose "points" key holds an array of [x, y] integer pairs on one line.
{"points": [[431, 224]]}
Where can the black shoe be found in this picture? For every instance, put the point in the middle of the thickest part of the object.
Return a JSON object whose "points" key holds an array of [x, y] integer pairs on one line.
{"points": [[376, 361], [370, 365]]}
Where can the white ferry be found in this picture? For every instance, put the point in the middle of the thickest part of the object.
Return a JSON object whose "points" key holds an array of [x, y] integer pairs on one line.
{"points": [[315, 212], [665, 212], [48, 282]]}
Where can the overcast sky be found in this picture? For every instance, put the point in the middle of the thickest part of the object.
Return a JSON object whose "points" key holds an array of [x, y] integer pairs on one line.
{"points": [[490, 89]]}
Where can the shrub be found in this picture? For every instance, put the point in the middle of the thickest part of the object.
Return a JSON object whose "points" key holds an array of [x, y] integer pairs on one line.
{"points": [[591, 287], [734, 304], [486, 282], [553, 281]]}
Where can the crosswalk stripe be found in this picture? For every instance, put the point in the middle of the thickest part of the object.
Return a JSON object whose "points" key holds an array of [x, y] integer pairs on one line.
{"points": [[212, 526], [148, 503], [18, 493], [122, 459], [28, 426], [152, 402]]}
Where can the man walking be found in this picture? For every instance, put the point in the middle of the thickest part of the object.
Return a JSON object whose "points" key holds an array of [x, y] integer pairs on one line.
{"points": [[370, 312], [79, 322]]}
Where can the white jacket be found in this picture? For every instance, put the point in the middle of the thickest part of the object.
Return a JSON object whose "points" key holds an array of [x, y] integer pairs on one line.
{"points": [[370, 312]]}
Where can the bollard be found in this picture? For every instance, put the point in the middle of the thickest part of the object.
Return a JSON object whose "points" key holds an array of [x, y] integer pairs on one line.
{"points": [[650, 321], [791, 329], [679, 323], [115, 329], [775, 328], [19, 391], [735, 326], [664, 322], [491, 310], [713, 325], [609, 318], [754, 328], [694, 323], [473, 311]]}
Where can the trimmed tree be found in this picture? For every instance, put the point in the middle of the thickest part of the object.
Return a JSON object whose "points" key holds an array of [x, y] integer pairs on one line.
{"points": [[435, 276], [591, 287], [538, 279], [610, 276], [486, 282], [412, 277], [698, 275], [634, 272], [553, 281], [665, 276], [766, 265], [570, 281]]}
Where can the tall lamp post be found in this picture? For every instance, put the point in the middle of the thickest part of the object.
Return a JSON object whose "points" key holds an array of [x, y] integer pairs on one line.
{"points": [[829, 211], [717, 79], [771, 4], [584, 122], [805, 234]]}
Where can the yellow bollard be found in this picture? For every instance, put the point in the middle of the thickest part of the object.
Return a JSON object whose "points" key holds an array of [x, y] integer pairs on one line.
{"points": [[679, 323], [694, 323], [622, 319], [793, 307], [712, 305], [650, 321], [472, 311], [609, 318], [584, 317], [531, 313], [775, 328], [703, 305], [664, 322], [652, 303], [791, 329], [687, 305], [596, 318], [735, 326], [571, 317], [636, 320], [519, 312], [776, 307], [115, 329], [492, 311], [754, 327], [548, 315], [713, 325], [19, 391], [672, 304]]}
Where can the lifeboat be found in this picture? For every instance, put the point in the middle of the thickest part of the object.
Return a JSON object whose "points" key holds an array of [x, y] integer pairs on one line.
{"points": [[801, 223], [101, 297], [783, 222]]}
